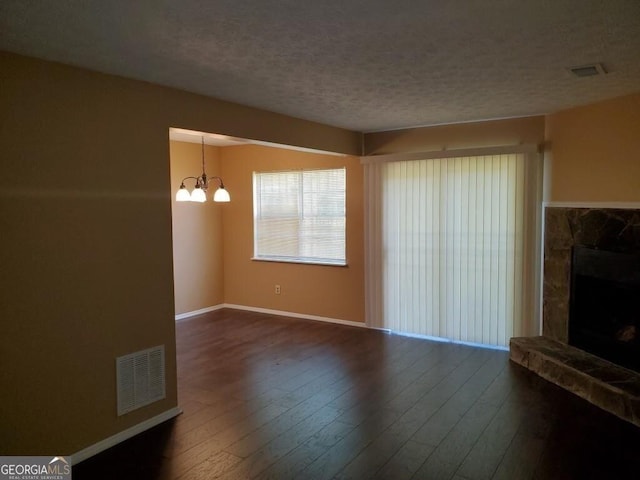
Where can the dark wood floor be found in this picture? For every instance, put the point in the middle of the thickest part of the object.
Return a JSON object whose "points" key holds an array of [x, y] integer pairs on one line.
{"points": [[277, 398]]}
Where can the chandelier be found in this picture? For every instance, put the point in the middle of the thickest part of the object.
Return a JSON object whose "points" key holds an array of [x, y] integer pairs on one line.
{"points": [[199, 193]]}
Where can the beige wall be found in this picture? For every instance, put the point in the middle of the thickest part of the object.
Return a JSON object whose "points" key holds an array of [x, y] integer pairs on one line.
{"points": [[197, 232], [515, 131], [335, 292], [85, 243], [593, 152]]}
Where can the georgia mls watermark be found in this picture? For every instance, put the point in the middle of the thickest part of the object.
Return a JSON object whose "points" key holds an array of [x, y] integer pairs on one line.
{"points": [[34, 468]]}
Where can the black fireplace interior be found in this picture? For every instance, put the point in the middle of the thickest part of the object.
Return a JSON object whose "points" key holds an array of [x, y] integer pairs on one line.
{"points": [[604, 310]]}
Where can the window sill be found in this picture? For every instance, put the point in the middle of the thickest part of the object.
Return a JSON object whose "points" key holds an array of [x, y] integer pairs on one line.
{"points": [[299, 261]]}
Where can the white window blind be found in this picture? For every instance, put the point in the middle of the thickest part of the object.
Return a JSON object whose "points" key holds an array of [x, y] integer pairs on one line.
{"points": [[299, 216], [448, 258]]}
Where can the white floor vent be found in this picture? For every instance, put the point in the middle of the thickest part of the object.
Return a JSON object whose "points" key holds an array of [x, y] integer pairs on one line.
{"points": [[140, 378]]}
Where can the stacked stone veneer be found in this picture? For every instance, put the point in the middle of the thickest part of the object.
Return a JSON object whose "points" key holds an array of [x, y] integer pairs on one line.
{"points": [[609, 386], [603, 228]]}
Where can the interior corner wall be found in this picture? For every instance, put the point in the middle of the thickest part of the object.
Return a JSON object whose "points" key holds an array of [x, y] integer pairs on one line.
{"points": [[197, 232], [86, 246], [326, 291], [593, 152]]}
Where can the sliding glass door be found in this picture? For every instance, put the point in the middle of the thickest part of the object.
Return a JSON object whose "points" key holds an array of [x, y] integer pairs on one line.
{"points": [[449, 247]]}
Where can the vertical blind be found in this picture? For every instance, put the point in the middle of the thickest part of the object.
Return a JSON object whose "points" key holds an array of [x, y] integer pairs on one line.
{"points": [[448, 253], [299, 216]]}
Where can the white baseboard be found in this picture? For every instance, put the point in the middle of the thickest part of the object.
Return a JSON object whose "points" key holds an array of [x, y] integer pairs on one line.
{"points": [[183, 316], [296, 315], [380, 329], [359, 324], [109, 442]]}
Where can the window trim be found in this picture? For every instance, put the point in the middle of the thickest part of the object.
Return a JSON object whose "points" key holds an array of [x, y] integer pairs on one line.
{"points": [[343, 262]]}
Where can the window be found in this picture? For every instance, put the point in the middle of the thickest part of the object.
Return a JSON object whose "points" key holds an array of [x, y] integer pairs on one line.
{"points": [[299, 216], [449, 255]]}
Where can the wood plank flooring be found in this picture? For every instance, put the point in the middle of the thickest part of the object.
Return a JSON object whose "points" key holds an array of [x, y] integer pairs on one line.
{"points": [[270, 397]]}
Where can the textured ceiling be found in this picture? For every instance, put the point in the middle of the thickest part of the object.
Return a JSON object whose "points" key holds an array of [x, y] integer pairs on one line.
{"points": [[365, 65]]}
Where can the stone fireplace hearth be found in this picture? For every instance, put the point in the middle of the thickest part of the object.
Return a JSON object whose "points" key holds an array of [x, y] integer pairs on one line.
{"points": [[612, 387]]}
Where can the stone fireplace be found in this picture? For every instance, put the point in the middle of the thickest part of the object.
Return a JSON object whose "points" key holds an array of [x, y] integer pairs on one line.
{"points": [[600, 238], [604, 306], [614, 230]]}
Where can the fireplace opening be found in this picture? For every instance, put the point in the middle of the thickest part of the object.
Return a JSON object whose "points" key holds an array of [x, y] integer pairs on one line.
{"points": [[604, 309]]}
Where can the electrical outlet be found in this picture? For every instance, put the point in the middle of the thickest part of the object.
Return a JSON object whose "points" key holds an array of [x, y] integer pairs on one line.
{"points": [[277, 289]]}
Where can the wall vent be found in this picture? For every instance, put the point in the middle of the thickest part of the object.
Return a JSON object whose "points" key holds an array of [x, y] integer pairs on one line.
{"points": [[588, 70], [140, 379]]}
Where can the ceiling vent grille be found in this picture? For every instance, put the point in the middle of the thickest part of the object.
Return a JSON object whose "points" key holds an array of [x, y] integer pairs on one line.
{"points": [[140, 379], [588, 70]]}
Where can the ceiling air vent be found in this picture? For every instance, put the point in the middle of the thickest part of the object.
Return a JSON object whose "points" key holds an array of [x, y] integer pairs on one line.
{"points": [[588, 70], [140, 379]]}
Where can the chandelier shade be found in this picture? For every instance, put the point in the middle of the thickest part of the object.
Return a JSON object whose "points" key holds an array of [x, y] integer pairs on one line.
{"points": [[221, 195]]}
